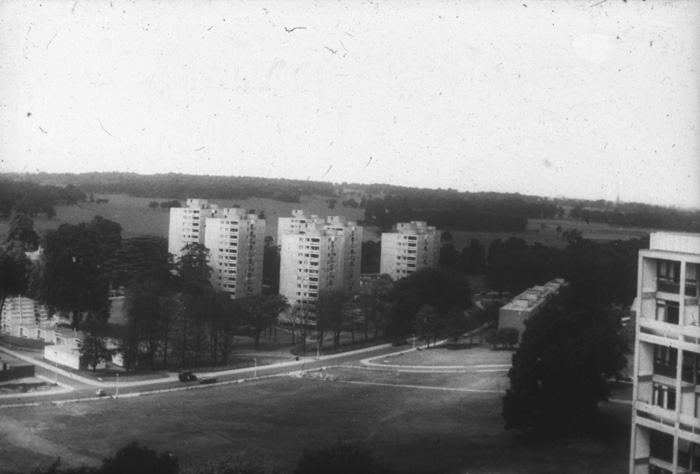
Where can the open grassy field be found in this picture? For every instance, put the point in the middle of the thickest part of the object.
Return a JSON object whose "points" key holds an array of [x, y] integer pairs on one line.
{"points": [[548, 234], [136, 218], [419, 423]]}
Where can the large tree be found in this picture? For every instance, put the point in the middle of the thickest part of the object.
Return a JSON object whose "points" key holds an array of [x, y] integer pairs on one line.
{"points": [[15, 269], [261, 312], [441, 288], [73, 277], [142, 256], [22, 232], [559, 372]]}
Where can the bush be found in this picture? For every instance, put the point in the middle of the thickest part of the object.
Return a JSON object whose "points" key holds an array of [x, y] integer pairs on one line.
{"points": [[340, 458], [135, 459]]}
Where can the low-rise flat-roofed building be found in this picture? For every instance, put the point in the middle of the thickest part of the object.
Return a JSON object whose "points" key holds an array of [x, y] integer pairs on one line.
{"points": [[666, 395], [410, 247], [23, 317], [527, 304]]}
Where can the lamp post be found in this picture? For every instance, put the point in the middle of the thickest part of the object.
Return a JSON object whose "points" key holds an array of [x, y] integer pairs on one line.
{"points": [[255, 371], [117, 395]]}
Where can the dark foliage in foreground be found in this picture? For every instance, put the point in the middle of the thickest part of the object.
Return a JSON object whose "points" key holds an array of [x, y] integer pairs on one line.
{"points": [[339, 458], [560, 372]]}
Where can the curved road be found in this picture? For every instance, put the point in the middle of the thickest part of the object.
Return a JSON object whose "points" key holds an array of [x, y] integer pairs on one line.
{"points": [[77, 388]]}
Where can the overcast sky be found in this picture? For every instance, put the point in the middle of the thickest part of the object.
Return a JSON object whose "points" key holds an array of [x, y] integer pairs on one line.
{"points": [[583, 99]]}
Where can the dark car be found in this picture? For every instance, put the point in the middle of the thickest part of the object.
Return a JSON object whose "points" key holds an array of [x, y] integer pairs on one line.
{"points": [[186, 376], [206, 379]]}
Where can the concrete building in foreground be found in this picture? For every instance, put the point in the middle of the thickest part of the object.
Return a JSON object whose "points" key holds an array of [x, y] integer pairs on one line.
{"points": [[319, 256], [410, 247], [236, 245], [666, 397], [527, 304], [235, 240]]}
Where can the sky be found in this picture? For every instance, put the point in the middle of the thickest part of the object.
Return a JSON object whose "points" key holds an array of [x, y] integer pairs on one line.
{"points": [[563, 98]]}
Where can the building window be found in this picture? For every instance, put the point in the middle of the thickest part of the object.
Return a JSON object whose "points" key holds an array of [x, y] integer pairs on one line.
{"points": [[688, 455], [667, 311], [665, 361], [691, 367], [661, 446], [664, 397], [691, 280], [668, 276]]}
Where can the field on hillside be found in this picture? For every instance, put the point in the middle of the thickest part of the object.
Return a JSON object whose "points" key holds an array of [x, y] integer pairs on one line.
{"points": [[417, 423], [136, 218], [544, 231]]}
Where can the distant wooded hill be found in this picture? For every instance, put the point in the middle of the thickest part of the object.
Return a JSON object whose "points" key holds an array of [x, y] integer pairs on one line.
{"points": [[385, 204]]}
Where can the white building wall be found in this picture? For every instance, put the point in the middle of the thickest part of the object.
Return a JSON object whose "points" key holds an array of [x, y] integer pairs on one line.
{"points": [[666, 395], [188, 224], [409, 248], [236, 245], [319, 256]]}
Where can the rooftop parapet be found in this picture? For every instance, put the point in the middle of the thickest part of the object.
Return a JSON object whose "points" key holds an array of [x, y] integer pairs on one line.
{"points": [[675, 242]]}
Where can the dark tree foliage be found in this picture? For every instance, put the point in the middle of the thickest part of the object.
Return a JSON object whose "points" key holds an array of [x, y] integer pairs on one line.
{"points": [[599, 273], [181, 186], [141, 256], [22, 232], [73, 277], [193, 267], [447, 212], [170, 204], [15, 269], [449, 257], [261, 312], [472, 260], [440, 288], [230, 463], [92, 345], [340, 458], [559, 372], [31, 198], [371, 256], [136, 459]]}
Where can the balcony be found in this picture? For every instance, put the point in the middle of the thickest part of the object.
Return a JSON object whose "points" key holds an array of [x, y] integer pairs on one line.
{"points": [[667, 285]]}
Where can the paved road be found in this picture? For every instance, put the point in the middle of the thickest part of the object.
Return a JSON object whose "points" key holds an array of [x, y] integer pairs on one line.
{"points": [[77, 387]]}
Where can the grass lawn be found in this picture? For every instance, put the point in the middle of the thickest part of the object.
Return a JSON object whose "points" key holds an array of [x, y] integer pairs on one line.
{"points": [[400, 417], [451, 355]]}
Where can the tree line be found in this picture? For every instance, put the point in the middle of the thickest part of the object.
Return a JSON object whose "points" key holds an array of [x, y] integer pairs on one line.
{"points": [[182, 186], [455, 214], [32, 199], [641, 215], [599, 272]]}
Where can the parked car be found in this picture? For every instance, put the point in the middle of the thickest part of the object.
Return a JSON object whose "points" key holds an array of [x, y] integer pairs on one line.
{"points": [[206, 379], [186, 376], [100, 392]]}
